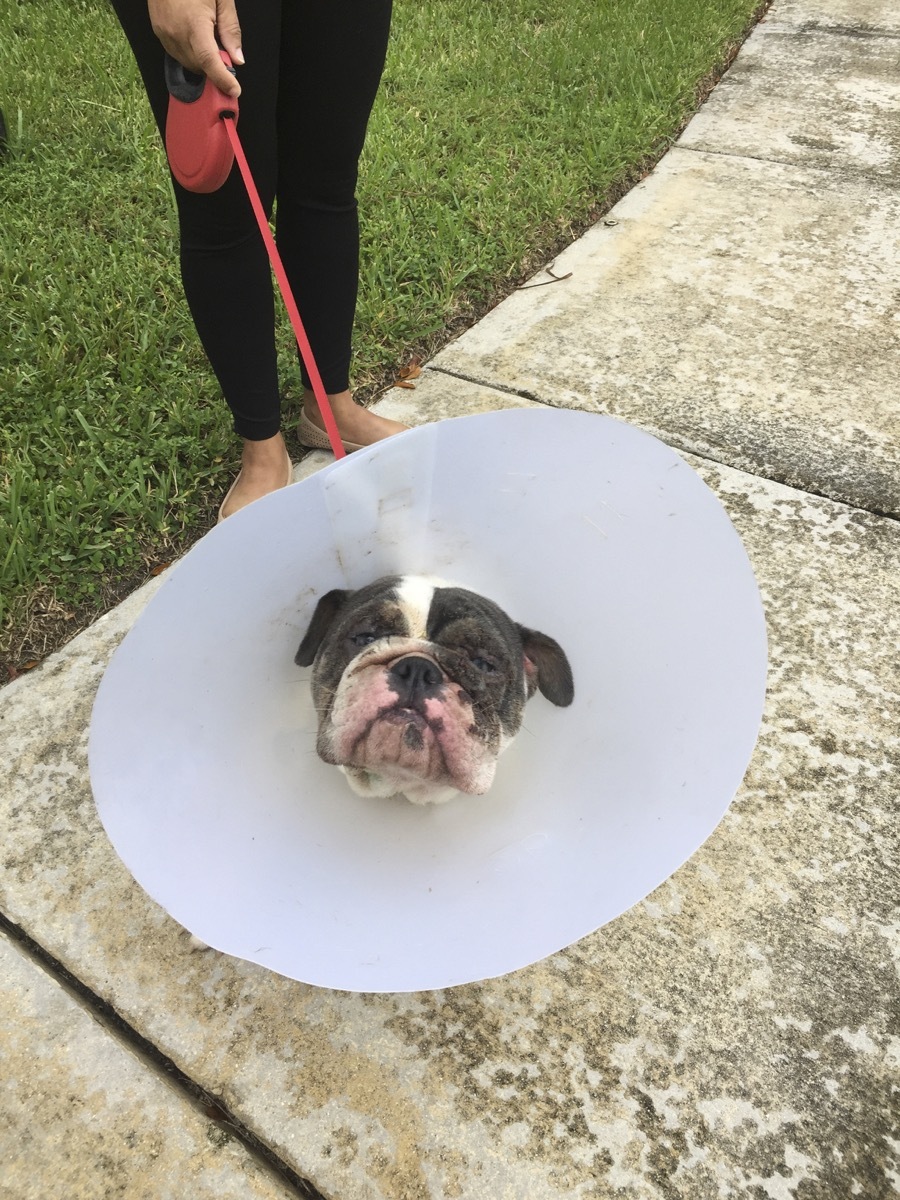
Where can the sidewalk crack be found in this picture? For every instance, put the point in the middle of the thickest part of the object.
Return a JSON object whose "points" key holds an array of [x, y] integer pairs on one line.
{"points": [[844, 171], [682, 445], [860, 32], [213, 1108]]}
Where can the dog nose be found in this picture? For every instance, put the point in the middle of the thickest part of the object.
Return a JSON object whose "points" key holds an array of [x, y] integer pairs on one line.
{"points": [[414, 677]]}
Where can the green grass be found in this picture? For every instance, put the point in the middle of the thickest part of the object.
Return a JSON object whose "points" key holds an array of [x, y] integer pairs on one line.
{"points": [[502, 127]]}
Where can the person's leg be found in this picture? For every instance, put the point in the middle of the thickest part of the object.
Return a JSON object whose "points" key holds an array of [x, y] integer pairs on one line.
{"points": [[224, 266], [332, 57]]}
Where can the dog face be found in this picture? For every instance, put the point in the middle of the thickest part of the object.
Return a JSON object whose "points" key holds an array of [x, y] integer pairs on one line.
{"points": [[419, 685]]}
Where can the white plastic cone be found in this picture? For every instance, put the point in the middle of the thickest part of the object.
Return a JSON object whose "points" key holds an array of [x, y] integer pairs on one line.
{"points": [[202, 748]]}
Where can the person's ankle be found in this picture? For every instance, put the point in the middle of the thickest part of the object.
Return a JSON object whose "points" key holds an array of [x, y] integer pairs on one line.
{"points": [[338, 401], [267, 451]]}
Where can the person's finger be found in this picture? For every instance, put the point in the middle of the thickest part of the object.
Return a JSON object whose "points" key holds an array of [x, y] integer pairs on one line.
{"points": [[208, 60], [229, 30]]}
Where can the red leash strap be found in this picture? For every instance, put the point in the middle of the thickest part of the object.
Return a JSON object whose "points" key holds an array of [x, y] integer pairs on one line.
{"points": [[280, 274]]}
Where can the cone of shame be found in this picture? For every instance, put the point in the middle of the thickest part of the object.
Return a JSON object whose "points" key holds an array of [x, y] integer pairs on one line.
{"points": [[203, 738]]}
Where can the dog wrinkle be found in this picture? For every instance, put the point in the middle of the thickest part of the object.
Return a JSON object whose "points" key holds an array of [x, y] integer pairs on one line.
{"points": [[389, 650]]}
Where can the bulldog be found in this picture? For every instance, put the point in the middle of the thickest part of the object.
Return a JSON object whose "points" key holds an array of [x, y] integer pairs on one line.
{"points": [[419, 685]]}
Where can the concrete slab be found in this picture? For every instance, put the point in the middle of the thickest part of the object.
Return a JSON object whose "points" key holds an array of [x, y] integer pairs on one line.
{"points": [[742, 310], [734, 1035], [863, 16], [80, 1115], [816, 97]]}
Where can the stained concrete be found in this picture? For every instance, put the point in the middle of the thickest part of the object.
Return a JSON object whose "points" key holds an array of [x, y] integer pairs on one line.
{"points": [[742, 301], [736, 1034], [859, 17], [81, 1116], [821, 97], [739, 309]]}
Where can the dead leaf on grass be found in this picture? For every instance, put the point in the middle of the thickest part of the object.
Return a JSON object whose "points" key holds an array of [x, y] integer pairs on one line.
{"points": [[24, 667], [412, 371]]}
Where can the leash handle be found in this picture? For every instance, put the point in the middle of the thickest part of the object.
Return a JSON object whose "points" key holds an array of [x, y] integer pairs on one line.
{"points": [[199, 154], [290, 304]]}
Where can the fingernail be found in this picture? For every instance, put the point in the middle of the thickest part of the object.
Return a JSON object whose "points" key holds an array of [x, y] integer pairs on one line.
{"points": [[239, 56]]}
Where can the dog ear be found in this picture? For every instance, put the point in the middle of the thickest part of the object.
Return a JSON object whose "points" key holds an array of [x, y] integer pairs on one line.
{"points": [[546, 667], [326, 610]]}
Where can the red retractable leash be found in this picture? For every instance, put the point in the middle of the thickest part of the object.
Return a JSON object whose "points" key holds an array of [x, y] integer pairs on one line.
{"points": [[202, 144]]}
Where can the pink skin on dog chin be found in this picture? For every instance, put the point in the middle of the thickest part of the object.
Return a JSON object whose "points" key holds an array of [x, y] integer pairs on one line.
{"points": [[370, 730]]}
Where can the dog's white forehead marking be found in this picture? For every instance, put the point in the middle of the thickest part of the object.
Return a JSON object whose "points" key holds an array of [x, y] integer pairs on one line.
{"points": [[414, 595]]}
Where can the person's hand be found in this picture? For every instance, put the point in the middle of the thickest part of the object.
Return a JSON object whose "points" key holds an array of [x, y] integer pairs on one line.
{"points": [[192, 30]]}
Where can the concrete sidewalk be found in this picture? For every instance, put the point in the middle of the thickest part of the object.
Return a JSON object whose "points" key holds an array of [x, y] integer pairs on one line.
{"points": [[734, 1035]]}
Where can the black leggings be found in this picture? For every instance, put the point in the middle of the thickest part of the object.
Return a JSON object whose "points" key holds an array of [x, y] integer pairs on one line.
{"points": [[313, 68]]}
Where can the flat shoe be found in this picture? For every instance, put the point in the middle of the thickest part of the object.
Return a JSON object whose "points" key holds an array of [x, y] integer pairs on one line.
{"points": [[221, 517], [314, 438]]}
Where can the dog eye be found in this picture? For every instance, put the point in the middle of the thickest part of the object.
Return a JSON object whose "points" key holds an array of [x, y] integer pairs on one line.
{"points": [[483, 664], [364, 638]]}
